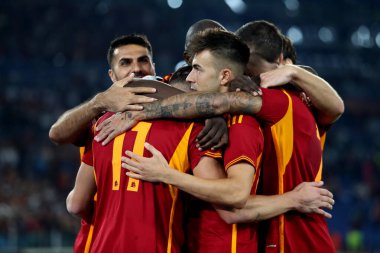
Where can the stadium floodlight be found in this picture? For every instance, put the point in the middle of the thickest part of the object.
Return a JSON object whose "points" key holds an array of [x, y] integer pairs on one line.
{"points": [[237, 6]]}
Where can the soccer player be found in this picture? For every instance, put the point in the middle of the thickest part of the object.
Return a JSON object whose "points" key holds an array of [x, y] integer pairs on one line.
{"points": [[198, 26], [292, 143], [178, 79], [128, 56], [133, 215], [286, 119], [219, 56]]}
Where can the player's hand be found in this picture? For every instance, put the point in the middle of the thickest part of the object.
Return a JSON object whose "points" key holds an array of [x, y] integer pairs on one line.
{"points": [[311, 198], [118, 98], [277, 77], [245, 83], [115, 125], [214, 135], [150, 169]]}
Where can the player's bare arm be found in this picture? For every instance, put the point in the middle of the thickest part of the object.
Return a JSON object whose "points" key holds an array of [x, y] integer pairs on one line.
{"points": [[329, 105], [209, 182], [307, 197], [71, 126], [186, 106], [80, 200]]}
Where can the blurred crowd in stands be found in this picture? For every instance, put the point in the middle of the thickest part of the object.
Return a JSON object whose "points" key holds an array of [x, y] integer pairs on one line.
{"points": [[53, 57]]}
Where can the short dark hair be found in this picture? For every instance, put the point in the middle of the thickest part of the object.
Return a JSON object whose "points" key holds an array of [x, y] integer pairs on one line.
{"points": [[130, 39], [180, 74], [289, 50], [222, 44], [264, 38], [195, 28]]}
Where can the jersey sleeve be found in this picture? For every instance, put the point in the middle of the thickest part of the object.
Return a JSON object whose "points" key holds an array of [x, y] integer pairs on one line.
{"points": [[246, 141], [87, 156], [194, 154], [275, 104]]}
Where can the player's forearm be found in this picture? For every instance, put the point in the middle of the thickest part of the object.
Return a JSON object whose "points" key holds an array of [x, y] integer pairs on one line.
{"points": [[196, 104], [74, 122], [221, 191], [259, 208], [325, 99]]}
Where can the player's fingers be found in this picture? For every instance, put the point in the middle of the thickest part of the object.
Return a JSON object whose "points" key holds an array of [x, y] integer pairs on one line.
{"points": [[128, 79], [104, 132], [139, 99], [215, 140], [208, 144], [152, 149], [328, 200], [133, 175], [125, 162], [131, 168], [313, 184], [204, 131], [125, 80], [323, 213], [104, 123], [222, 142], [141, 90], [209, 135], [133, 107], [326, 192], [134, 156], [110, 137]]}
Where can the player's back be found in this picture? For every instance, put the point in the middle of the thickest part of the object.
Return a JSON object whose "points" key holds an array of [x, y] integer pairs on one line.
{"points": [[134, 215], [292, 155]]}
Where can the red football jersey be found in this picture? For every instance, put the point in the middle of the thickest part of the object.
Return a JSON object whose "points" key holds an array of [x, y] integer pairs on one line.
{"points": [[292, 155], [138, 216], [207, 231], [83, 239]]}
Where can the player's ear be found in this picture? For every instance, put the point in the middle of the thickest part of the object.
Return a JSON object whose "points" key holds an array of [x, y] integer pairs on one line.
{"points": [[281, 59], [225, 76], [112, 75], [154, 67]]}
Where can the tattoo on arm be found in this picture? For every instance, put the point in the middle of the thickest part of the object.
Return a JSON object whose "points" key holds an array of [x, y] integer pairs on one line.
{"points": [[207, 104]]}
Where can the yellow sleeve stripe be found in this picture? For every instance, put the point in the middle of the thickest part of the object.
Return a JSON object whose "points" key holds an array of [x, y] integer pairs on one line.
{"points": [[213, 155], [238, 159]]}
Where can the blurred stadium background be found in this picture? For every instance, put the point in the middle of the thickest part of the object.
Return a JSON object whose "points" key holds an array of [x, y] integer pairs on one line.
{"points": [[53, 57]]}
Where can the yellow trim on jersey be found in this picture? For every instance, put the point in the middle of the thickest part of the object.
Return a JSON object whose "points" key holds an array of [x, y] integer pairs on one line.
{"points": [[282, 234], [89, 239], [282, 133], [323, 140], [234, 238], [318, 177], [179, 161], [213, 154], [81, 152], [238, 159], [116, 161]]}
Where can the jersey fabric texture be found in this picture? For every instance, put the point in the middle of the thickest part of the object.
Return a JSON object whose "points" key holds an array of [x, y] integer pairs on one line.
{"points": [[138, 216], [292, 155], [207, 232]]}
